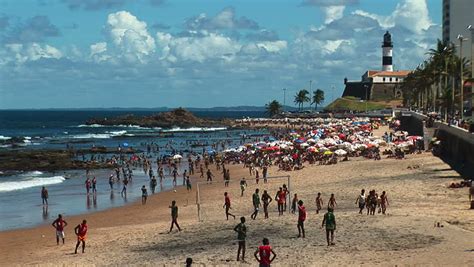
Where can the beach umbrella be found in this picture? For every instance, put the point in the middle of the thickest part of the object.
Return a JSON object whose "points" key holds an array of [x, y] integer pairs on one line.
{"points": [[312, 149], [340, 152], [304, 145], [177, 156], [327, 152], [125, 144]]}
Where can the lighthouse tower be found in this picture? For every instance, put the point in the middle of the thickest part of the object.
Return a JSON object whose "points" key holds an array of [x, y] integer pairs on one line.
{"points": [[387, 52]]}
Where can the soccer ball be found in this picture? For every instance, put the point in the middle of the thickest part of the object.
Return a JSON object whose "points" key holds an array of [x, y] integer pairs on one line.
{"points": [[174, 190]]}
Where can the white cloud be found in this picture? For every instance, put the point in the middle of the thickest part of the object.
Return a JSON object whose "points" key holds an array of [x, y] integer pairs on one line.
{"points": [[333, 13], [273, 46], [129, 35], [98, 48], [410, 14], [21, 53], [197, 48]]}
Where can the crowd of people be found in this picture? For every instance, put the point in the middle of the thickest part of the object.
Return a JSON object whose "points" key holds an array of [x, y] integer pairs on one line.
{"points": [[323, 141]]}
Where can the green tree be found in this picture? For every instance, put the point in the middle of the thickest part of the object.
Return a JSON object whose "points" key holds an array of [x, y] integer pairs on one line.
{"points": [[301, 97], [273, 108], [318, 98]]}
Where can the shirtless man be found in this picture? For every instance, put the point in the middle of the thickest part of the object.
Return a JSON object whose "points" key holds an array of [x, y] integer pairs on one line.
{"points": [[227, 206], [266, 199], [332, 202], [383, 202], [81, 231]]}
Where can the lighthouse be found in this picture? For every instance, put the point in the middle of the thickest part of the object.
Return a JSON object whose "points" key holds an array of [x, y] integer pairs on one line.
{"points": [[387, 52]]}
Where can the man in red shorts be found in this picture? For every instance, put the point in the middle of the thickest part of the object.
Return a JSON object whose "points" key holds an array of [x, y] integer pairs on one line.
{"points": [[264, 253], [81, 231]]}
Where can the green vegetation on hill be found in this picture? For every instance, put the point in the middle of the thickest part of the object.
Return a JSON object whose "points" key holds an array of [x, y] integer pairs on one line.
{"points": [[354, 104]]}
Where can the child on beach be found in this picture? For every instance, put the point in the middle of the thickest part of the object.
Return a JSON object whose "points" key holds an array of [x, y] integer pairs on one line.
{"points": [[256, 204], [301, 218], [264, 252], [59, 225], [81, 231], [209, 176], [188, 183], [227, 206], [241, 230], [174, 216], [329, 221], [332, 202], [88, 185], [111, 181], [319, 203], [257, 176], [293, 203], [266, 199], [144, 195]]}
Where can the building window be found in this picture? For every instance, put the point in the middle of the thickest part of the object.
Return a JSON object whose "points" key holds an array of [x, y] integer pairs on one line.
{"points": [[396, 79], [390, 78], [384, 79]]}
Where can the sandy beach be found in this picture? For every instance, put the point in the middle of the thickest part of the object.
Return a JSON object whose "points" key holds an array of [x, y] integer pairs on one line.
{"points": [[137, 234]]}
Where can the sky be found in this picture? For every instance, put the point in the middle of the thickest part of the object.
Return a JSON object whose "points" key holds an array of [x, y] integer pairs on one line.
{"points": [[199, 53]]}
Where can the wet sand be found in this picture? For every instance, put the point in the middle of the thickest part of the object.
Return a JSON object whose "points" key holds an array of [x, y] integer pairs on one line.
{"points": [[138, 234]]}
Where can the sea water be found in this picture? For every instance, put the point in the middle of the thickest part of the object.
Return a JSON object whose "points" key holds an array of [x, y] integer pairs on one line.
{"points": [[20, 192]]}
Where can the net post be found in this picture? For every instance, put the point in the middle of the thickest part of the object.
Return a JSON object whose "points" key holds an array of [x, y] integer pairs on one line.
{"points": [[289, 191], [198, 202]]}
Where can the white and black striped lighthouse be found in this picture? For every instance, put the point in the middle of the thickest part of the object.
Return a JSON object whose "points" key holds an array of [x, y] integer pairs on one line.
{"points": [[387, 52]]}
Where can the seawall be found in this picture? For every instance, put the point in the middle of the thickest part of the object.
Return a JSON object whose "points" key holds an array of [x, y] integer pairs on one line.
{"points": [[457, 145]]}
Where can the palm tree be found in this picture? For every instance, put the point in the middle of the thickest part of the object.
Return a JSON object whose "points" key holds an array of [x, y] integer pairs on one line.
{"points": [[273, 108], [318, 98], [301, 97]]}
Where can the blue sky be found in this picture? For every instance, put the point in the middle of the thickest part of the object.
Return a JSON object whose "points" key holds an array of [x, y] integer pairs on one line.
{"points": [[152, 53]]}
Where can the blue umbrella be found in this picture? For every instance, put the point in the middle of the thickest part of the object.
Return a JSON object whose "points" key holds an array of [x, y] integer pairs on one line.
{"points": [[125, 144]]}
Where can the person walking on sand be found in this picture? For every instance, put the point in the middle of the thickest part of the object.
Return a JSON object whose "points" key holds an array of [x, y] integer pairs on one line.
{"points": [[256, 204], [44, 196], [301, 218], [266, 199], [144, 195], [153, 184], [227, 206], [59, 225], [81, 232], [264, 252], [241, 230], [209, 176], [329, 221], [174, 216], [383, 202], [361, 201], [188, 184], [332, 202], [243, 185], [185, 174], [293, 204], [319, 203]]}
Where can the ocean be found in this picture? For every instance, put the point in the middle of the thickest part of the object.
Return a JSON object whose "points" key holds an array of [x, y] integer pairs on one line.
{"points": [[20, 191]]}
